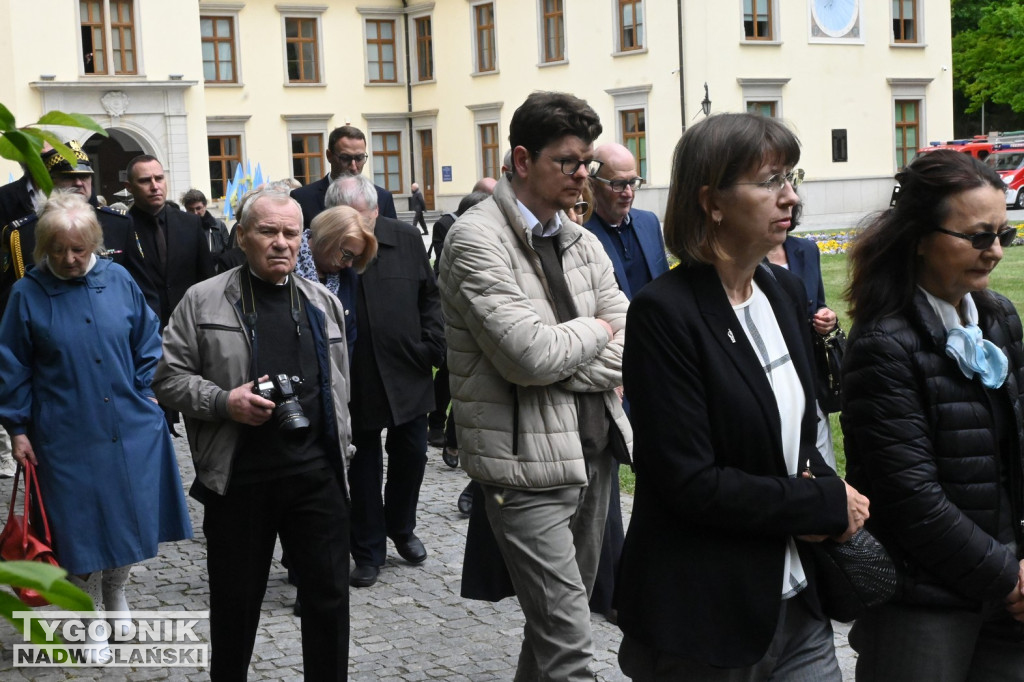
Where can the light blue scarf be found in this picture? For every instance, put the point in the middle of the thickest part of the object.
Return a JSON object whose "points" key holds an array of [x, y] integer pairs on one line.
{"points": [[965, 344]]}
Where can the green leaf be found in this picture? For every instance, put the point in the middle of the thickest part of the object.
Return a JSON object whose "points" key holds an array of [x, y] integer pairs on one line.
{"points": [[29, 146], [59, 118], [6, 119]]}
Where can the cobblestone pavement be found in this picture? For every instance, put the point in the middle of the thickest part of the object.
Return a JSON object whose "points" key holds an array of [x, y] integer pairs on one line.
{"points": [[412, 625]]}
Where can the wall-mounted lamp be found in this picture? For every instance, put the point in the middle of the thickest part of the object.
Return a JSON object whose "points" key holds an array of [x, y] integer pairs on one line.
{"points": [[176, 76], [47, 76]]}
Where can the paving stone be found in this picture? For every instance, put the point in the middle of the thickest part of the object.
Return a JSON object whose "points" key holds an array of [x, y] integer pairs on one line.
{"points": [[411, 626]]}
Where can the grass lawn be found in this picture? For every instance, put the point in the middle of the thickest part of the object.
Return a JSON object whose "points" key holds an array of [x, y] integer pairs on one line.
{"points": [[1007, 279]]}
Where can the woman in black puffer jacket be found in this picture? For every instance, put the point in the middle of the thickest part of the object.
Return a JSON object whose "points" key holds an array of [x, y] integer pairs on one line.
{"points": [[932, 415]]}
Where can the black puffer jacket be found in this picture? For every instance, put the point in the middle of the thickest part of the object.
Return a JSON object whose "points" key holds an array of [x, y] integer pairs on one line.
{"points": [[921, 444]]}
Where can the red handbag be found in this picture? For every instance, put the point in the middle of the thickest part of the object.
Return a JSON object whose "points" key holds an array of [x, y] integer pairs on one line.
{"points": [[20, 541]]}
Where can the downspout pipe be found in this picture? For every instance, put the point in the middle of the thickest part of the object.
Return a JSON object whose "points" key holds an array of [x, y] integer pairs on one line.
{"points": [[408, 91], [682, 71]]}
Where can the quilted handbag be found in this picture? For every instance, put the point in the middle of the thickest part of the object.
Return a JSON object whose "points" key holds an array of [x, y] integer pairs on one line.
{"points": [[20, 541], [854, 576]]}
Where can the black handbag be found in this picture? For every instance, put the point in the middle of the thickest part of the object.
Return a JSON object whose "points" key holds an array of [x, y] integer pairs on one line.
{"points": [[828, 357], [854, 576]]}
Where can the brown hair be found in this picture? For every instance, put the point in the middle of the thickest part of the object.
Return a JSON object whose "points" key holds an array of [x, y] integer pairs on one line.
{"points": [[883, 259], [715, 154]]}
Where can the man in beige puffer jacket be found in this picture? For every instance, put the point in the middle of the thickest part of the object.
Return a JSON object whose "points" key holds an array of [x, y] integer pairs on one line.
{"points": [[535, 324]]}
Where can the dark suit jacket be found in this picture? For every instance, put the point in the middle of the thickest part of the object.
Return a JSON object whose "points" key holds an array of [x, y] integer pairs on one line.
{"points": [[311, 199], [648, 232], [15, 201], [188, 257], [805, 262], [403, 308], [702, 568]]}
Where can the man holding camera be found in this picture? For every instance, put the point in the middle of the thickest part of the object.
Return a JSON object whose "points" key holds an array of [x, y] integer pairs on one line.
{"points": [[271, 461]]}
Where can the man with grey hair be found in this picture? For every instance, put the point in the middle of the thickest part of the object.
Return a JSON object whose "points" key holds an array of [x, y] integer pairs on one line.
{"points": [[401, 336], [269, 462]]}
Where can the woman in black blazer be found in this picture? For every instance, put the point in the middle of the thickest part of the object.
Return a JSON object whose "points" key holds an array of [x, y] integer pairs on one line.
{"points": [[716, 582]]}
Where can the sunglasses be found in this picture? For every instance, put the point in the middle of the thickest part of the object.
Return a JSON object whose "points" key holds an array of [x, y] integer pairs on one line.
{"points": [[984, 240]]}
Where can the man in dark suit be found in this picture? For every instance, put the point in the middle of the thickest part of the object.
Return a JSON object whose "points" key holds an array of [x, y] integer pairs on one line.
{"points": [[346, 152], [18, 199], [418, 205], [632, 239], [401, 337], [173, 246]]}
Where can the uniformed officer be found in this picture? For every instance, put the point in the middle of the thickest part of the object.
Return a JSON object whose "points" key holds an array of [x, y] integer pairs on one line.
{"points": [[17, 239]]}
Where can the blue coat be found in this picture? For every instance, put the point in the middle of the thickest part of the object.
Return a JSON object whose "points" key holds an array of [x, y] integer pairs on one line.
{"points": [[76, 361], [648, 232], [805, 262]]}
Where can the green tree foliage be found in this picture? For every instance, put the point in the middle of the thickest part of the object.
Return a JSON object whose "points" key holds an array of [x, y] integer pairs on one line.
{"points": [[25, 144], [988, 59]]}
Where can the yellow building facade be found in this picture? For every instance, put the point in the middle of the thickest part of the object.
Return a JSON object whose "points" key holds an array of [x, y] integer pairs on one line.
{"points": [[207, 85]]}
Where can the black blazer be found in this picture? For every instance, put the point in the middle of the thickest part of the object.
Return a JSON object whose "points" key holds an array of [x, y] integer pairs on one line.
{"points": [[188, 257], [15, 201], [311, 199], [399, 298], [702, 567]]}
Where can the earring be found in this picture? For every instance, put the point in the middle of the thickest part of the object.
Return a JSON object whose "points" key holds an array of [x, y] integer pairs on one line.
{"points": [[718, 222]]}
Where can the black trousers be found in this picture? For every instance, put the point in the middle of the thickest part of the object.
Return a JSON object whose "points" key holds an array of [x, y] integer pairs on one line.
{"points": [[309, 513], [375, 519]]}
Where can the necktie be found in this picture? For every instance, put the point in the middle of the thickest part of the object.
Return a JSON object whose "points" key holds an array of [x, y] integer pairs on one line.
{"points": [[161, 242]]}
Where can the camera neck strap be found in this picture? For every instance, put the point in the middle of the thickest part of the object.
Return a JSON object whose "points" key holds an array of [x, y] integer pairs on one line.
{"points": [[251, 316]]}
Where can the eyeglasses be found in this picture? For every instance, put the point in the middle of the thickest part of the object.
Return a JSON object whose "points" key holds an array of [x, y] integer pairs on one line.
{"points": [[779, 180], [347, 256], [621, 185], [346, 159], [570, 166], [581, 207], [984, 240]]}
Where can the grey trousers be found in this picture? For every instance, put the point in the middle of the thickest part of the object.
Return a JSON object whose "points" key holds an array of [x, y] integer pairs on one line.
{"points": [[551, 543], [919, 644], [802, 650]]}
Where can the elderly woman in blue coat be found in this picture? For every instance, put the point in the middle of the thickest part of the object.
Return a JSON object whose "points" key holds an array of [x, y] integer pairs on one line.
{"points": [[78, 348]]}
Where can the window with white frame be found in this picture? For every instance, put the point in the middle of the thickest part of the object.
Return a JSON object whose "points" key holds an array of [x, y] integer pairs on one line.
{"points": [[487, 123], [908, 107], [629, 23], [552, 31], [906, 22], [631, 113], [763, 95], [485, 50], [302, 46], [108, 37]]}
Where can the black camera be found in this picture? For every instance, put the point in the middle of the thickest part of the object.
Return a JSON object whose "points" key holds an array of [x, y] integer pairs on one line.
{"points": [[287, 410]]}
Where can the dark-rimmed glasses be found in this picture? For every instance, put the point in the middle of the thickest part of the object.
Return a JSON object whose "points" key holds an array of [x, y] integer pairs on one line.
{"points": [[779, 180], [570, 166], [346, 159], [984, 240], [621, 185], [347, 256]]}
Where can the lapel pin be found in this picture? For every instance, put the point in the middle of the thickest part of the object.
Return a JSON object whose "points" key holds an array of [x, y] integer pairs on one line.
{"points": [[730, 335]]}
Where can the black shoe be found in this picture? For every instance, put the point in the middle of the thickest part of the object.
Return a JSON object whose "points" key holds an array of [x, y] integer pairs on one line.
{"points": [[435, 437], [364, 576], [450, 456], [465, 503], [411, 549]]}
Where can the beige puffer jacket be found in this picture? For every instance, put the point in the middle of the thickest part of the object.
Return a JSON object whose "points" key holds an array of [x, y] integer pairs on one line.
{"points": [[515, 370]]}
